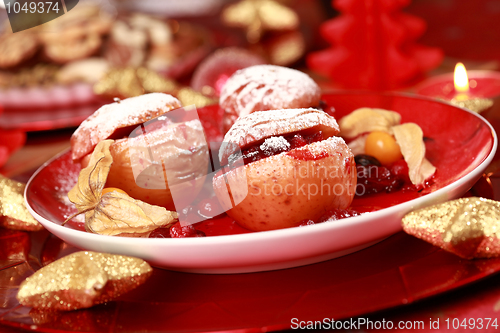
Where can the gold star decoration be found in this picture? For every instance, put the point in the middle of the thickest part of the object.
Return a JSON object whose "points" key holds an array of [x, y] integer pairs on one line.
{"points": [[13, 212], [81, 280], [467, 227]]}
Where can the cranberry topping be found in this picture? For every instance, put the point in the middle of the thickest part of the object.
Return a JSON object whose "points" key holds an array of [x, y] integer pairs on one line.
{"points": [[306, 222], [318, 136], [375, 178], [209, 207], [297, 141], [279, 144], [400, 169], [160, 233], [179, 231]]}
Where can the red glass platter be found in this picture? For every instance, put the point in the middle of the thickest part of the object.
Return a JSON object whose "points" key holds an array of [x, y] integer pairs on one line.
{"points": [[398, 270]]}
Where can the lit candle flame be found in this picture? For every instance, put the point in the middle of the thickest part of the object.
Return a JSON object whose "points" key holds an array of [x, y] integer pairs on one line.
{"points": [[460, 79], [463, 97]]}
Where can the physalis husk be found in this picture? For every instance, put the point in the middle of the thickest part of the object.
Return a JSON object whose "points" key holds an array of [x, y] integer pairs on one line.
{"points": [[113, 213], [409, 137]]}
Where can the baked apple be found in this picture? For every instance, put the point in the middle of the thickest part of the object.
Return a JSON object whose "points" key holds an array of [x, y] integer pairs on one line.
{"points": [[283, 167], [156, 159]]}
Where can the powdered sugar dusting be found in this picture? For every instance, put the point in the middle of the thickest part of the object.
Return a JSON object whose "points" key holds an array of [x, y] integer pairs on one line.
{"points": [[128, 112], [268, 87], [260, 125], [335, 143], [274, 145]]}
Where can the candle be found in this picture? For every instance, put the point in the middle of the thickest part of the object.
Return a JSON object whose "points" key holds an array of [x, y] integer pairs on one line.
{"points": [[469, 89], [461, 82]]}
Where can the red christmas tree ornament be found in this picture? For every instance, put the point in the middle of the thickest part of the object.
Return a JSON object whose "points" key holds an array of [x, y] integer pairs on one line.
{"points": [[374, 46]]}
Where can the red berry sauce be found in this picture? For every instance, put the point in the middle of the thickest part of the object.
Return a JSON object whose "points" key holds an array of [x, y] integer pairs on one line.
{"points": [[160, 233], [284, 144], [179, 231], [376, 178]]}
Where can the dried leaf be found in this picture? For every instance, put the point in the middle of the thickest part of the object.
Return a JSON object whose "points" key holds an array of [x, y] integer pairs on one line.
{"points": [[87, 191], [119, 214], [366, 120], [357, 145], [113, 213], [409, 137]]}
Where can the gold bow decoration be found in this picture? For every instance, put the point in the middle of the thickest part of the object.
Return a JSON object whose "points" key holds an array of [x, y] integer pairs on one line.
{"points": [[256, 17], [271, 28]]}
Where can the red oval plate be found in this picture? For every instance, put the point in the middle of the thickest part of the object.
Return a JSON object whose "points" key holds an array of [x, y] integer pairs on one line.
{"points": [[459, 143]]}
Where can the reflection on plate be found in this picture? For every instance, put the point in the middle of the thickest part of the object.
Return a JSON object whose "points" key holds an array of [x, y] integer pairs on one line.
{"points": [[53, 97], [460, 144], [47, 108], [31, 120]]}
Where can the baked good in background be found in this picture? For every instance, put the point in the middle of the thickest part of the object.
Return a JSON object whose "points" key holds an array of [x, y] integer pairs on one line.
{"points": [[266, 87], [143, 40], [81, 46]]}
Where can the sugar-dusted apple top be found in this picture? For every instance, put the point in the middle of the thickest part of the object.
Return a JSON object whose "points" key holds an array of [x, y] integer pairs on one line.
{"points": [[121, 114], [268, 87], [261, 125]]}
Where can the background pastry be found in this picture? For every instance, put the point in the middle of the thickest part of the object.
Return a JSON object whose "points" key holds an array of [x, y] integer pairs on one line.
{"points": [[266, 87]]}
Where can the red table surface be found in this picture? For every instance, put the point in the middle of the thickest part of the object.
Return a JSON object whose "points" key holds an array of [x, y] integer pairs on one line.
{"points": [[354, 285]]}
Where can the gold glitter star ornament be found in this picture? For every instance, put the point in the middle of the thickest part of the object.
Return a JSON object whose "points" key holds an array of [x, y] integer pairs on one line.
{"points": [[13, 212], [81, 280], [467, 227]]}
